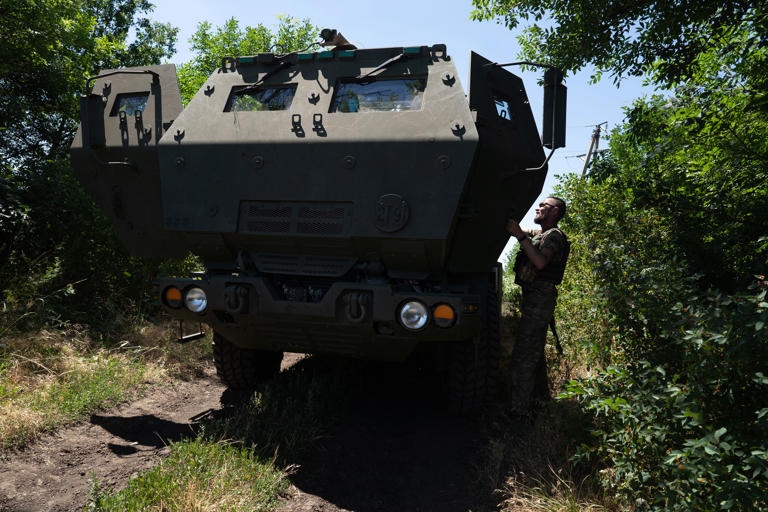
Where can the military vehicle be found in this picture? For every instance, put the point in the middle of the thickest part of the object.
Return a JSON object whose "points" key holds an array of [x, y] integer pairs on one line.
{"points": [[344, 201]]}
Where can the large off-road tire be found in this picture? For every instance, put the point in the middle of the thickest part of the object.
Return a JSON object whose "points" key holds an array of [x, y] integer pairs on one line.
{"points": [[473, 365], [241, 369]]}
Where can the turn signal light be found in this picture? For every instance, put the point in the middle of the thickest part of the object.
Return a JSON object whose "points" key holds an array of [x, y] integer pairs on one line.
{"points": [[172, 297], [444, 315]]}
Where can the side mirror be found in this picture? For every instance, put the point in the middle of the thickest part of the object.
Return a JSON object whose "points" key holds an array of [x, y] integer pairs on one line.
{"points": [[555, 99], [92, 121]]}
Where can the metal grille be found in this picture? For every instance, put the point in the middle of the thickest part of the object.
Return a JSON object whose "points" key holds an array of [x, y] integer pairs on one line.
{"points": [[258, 210], [302, 265], [268, 227], [319, 228], [322, 213], [312, 219], [301, 289]]}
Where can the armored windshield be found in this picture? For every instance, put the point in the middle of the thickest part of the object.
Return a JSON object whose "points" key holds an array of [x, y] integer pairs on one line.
{"points": [[250, 99], [379, 95]]}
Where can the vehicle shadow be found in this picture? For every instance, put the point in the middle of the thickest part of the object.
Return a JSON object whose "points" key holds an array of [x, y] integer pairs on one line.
{"points": [[143, 430], [397, 447]]}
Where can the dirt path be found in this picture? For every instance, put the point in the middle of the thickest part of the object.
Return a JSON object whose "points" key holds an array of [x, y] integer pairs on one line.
{"points": [[54, 473], [393, 452]]}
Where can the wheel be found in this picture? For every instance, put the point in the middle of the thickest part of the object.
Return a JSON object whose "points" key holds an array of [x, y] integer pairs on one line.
{"points": [[242, 369], [473, 365]]}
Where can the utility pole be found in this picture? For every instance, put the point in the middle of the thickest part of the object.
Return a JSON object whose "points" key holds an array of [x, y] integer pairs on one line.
{"points": [[592, 146]]}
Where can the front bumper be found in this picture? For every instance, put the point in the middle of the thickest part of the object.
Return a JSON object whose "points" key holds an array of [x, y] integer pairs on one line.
{"points": [[345, 318]]}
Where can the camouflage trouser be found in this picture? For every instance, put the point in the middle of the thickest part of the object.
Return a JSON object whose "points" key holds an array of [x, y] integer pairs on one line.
{"points": [[529, 368]]}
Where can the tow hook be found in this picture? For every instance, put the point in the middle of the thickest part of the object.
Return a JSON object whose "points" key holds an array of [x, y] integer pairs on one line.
{"points": [[356, 306], [236, 297]]}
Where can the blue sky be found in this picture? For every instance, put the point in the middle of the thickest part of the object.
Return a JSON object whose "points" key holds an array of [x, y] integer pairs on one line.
{"points": [[422, 22]]}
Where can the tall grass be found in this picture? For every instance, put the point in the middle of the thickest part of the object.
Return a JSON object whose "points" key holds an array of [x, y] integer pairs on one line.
{"points": [[49, 378], [200, 475], [530, 463], [539, 473]]}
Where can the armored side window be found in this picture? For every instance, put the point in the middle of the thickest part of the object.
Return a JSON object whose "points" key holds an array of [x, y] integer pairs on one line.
{"points": [[503, 107], [391, 95], [130, 103], [260, 98]]}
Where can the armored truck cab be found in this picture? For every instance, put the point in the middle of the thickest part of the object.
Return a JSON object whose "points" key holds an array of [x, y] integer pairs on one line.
{"points": [[344, 201]]}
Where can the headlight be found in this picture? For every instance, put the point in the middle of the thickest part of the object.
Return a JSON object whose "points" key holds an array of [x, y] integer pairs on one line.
{"points": [[196, 300], [413, 315]]}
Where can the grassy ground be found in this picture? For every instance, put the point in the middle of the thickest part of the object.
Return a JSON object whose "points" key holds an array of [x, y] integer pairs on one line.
{"points": [[48, 379], [51, 378], [200, 475], [242, 460]]}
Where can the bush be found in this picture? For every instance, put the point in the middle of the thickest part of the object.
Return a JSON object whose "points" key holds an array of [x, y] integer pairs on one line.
{"points": [[689, 433], [511, 292], [64, 263]]}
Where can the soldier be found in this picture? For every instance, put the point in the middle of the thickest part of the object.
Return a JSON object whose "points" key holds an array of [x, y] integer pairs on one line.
{"points": [[539, 267]]}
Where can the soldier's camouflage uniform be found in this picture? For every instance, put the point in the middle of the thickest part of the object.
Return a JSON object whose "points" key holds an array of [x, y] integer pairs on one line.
{"points": [[529, 373]]}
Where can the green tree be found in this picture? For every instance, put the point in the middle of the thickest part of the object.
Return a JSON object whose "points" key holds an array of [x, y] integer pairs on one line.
{"points": [[57, 249], [211, 45], [44, 64], [661, 290], [662, 39]]}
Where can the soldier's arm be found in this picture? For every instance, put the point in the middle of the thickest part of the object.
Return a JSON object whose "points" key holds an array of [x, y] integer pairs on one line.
{"points": [[539, 257]]}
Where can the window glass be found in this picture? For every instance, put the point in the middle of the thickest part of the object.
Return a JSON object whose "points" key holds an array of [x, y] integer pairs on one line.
{"points": [[503, 108], [391, 95], [253, 99], [130, 103]]}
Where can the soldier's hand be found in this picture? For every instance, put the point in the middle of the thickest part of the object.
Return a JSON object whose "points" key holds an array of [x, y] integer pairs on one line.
{"points": [[513, 228]]}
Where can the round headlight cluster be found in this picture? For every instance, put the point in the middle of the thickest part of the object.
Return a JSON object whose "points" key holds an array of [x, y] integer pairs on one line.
{"points": [[194, 298], [414, 315]]}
